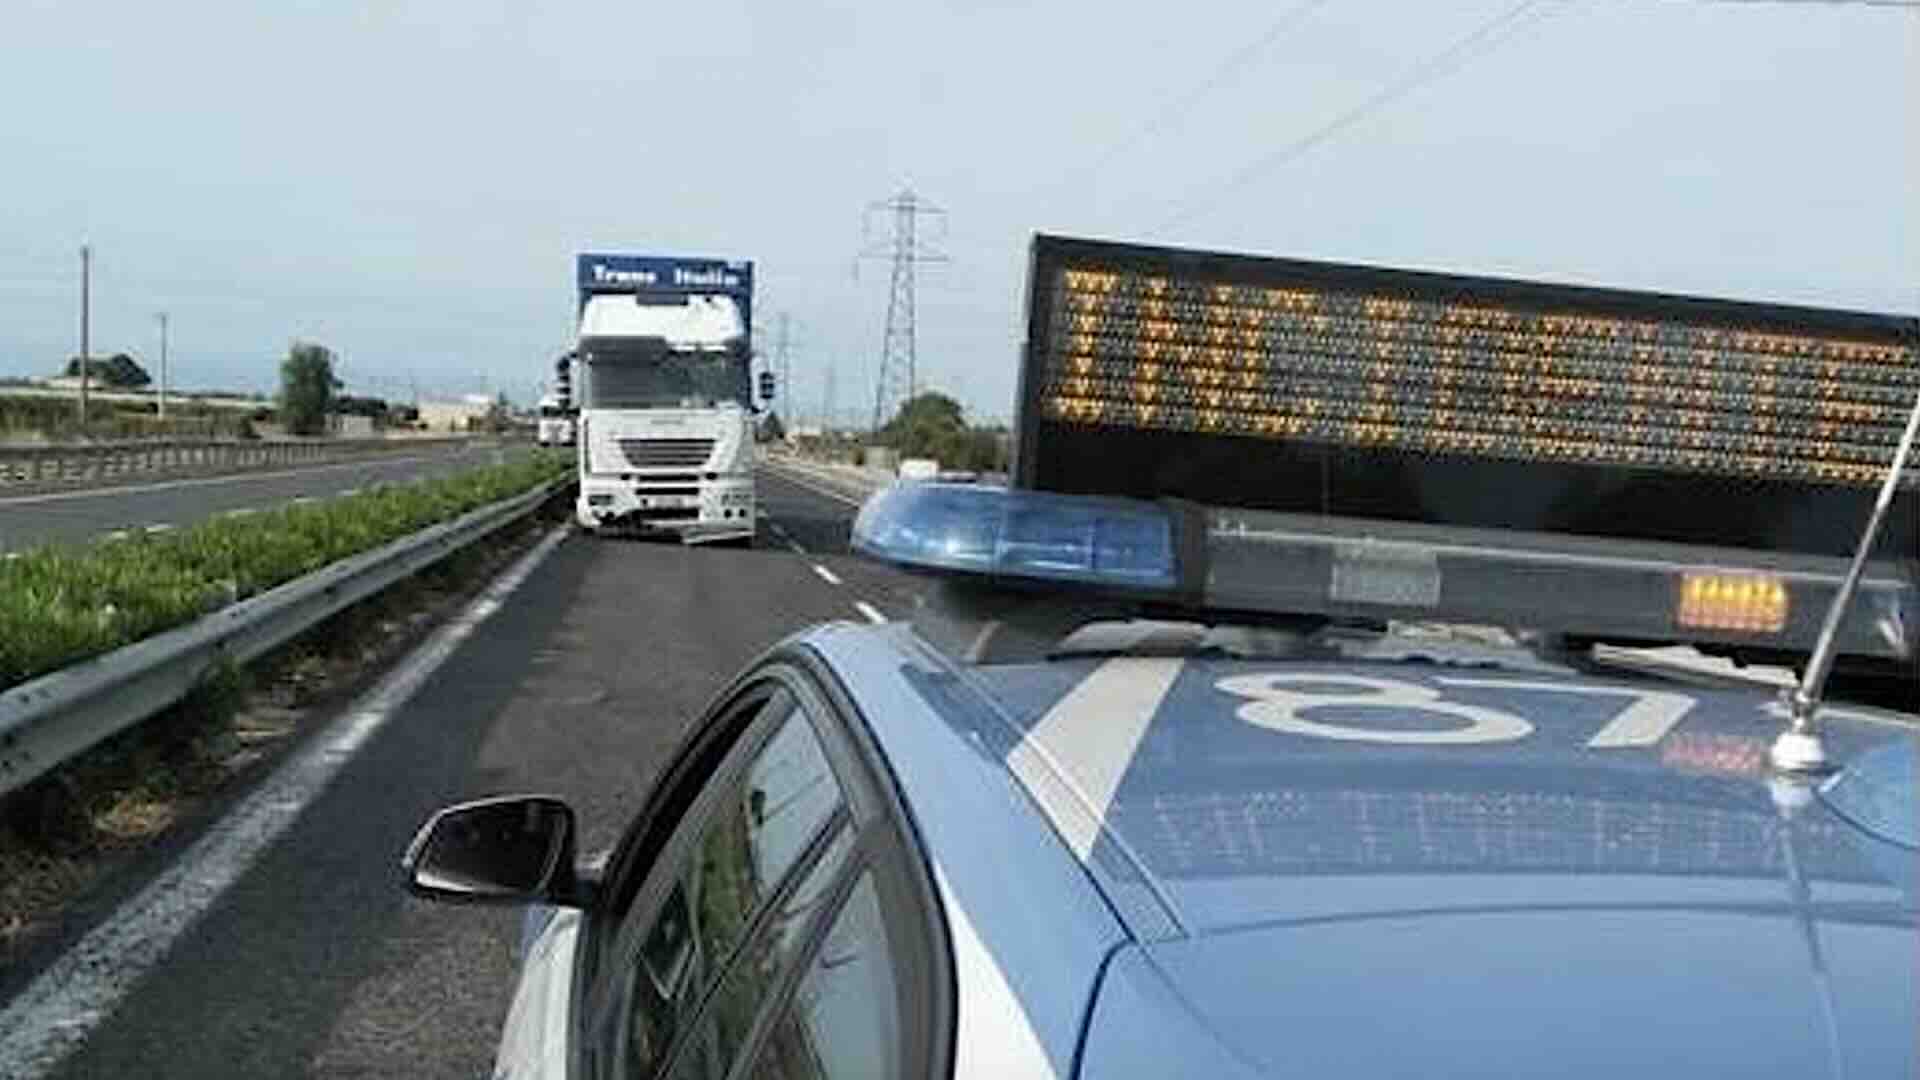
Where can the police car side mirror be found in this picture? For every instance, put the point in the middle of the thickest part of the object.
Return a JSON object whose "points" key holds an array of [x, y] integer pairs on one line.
{"points": [[512, 850]]}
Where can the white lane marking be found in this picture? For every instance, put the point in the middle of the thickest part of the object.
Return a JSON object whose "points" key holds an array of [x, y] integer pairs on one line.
{"points": [[59, 1009], [826, 575], [117, 534], [160, 528], [349, 491], [1086, 741], [872, 613], [797, 549], [89, 493], [790, 478], [242, 512]]}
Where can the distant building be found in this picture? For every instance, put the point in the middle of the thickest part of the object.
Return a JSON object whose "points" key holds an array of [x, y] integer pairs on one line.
{"points": [[351, 427], [454, 415]]}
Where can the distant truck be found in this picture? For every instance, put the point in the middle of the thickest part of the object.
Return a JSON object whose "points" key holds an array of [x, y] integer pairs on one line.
{"points": [[1598, 465], [555, 423], [663, 372], [919, 469]]}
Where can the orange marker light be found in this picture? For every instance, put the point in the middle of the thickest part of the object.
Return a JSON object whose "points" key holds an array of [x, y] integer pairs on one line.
{"points": [[1752, 603]]}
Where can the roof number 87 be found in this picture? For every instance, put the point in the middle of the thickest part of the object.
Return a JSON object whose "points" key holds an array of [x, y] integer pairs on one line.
{"points": [[1280, 701]]}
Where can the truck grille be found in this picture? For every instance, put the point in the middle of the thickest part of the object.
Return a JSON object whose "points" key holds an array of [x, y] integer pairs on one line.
{"points": [[666, 453]]}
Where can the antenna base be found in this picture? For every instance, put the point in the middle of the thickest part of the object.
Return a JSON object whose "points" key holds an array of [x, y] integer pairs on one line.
{"points": [[1799, 752]]}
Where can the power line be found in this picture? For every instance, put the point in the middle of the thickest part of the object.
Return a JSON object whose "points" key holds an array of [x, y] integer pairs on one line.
{"points": [[1482, 39], [1221, 73], [1910, 5]]}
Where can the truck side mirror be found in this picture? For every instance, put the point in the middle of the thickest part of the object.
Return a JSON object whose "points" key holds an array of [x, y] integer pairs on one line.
{"points": [[766, 385], [512, 850]]}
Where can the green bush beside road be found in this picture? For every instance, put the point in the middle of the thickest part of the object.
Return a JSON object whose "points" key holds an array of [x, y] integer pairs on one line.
{"points": [[60, 605]]}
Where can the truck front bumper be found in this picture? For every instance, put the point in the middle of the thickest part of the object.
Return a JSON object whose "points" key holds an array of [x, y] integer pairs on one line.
{"points": [[721, 509]]}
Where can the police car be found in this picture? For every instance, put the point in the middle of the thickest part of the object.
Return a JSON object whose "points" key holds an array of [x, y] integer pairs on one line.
{"points": [[1059, 826]]}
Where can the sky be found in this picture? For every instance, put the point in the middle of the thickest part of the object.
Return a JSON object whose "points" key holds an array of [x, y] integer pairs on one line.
{"points": [[407, 182]]}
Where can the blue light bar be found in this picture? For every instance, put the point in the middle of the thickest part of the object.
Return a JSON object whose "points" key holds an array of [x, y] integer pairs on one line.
{"points": [[1019, 535]]}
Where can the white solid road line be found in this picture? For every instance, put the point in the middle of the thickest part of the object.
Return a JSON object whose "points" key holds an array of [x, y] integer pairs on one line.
{"points": [[872, 614], [164, 485], [826, 575], [79, 991]]}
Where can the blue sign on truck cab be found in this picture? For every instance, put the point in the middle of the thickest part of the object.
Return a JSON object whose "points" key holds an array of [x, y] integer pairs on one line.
{"points": [[598, 274]]}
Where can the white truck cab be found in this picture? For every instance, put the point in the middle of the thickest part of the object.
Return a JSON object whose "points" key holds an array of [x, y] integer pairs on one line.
{"points": [[666, 402], [555, 424]]}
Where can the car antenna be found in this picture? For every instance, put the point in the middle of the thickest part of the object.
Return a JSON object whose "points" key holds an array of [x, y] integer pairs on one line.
{"points": [[1799, 749]]}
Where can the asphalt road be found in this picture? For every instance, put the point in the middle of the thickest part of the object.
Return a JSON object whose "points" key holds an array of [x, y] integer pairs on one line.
{"points": [[71, 516], [317, 963]]}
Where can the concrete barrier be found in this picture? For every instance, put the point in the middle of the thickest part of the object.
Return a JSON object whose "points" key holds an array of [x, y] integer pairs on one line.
{"points": [[23, 467]]}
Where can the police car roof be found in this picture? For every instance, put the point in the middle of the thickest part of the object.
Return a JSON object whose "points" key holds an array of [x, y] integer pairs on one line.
{"points": [[1586, 874]]}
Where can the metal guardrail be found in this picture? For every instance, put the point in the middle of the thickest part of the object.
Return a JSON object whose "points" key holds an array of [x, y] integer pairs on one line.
{"points": [[23, 466], [47, 720]]}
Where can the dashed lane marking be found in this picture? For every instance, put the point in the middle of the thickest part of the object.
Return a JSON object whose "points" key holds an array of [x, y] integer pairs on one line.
{"points": [[826, 575], [872, 613]]}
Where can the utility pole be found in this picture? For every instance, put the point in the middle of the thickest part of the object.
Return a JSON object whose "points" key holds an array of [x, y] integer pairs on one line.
{"points": [[826, 402], [86, 362], [163, 366], [783, 360], [898, 379]]}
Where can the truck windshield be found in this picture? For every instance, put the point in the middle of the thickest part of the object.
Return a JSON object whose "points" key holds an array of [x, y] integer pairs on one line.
{"points": [[648, 375]]}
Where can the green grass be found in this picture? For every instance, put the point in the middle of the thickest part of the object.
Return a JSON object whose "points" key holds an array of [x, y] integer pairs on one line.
{"points": [[22, 414], [60, 605]]}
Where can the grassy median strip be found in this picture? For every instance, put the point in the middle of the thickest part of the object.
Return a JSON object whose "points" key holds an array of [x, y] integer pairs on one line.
{"points": [[63, 604], [63, 834]]}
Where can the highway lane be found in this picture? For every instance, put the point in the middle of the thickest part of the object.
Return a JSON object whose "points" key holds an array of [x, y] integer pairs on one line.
{"points": [[316, 962], [72, 516]]}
